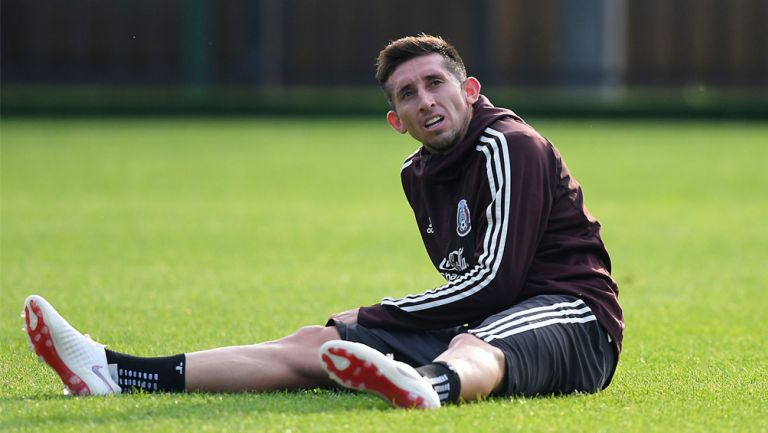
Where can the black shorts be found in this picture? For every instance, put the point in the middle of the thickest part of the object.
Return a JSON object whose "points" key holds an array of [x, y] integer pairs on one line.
{"points": [[552, 344]]}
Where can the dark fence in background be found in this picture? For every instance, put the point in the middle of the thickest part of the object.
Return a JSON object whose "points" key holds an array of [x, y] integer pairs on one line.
{"points": [[612, 51]]}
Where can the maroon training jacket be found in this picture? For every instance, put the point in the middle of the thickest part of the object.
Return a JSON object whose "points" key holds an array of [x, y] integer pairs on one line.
{"points": [[502, 220]]}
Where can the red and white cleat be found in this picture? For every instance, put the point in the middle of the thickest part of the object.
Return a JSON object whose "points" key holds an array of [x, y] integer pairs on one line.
{"points": [[80, 362], [362, 368]]}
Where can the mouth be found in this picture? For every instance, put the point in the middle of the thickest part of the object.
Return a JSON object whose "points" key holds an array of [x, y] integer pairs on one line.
{"points": [[433, 121]]}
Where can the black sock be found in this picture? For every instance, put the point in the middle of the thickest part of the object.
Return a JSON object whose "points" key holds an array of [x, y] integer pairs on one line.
{"points": [[149, 374], [444, 380]]}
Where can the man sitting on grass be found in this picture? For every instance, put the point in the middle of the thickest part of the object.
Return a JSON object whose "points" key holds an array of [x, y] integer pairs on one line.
{"points": [[528, 307]]}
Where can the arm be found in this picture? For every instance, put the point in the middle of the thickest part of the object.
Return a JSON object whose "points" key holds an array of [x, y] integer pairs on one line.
{"points": [[521, 188]]}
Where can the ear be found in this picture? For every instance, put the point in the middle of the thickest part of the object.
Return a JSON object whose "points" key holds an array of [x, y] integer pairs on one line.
{"points": [[471, 89], [395, 122]]}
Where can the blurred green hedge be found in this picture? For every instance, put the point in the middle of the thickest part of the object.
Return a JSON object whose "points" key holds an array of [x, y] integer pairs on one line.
{"points": [[366, 101]]}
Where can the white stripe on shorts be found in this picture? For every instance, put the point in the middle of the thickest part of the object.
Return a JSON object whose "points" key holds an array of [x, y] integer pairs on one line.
{"points": [[536, 325], [572, 304], [521, 321]]}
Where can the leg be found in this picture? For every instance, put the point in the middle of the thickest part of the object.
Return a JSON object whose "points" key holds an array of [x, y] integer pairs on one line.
{"points": [[288, 363], [481, 367], [87, 368]]}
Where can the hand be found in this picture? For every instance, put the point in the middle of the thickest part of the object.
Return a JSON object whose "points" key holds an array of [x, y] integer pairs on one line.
{"points": [[348, 317]]}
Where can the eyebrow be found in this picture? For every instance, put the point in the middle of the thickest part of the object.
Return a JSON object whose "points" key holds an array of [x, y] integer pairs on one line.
{"points": [[433, 76]]}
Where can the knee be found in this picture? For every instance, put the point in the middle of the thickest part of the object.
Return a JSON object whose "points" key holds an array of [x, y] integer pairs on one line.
{"points": [[313, 335], [471, 342], [306, 332], [477, 350], [465, 340]]}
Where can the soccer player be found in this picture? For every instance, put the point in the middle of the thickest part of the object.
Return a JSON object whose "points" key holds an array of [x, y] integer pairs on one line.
{"points": [[528, 307]]}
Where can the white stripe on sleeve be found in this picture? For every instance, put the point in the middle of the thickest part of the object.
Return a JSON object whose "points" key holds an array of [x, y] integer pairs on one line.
{"points": [[497, 167]]}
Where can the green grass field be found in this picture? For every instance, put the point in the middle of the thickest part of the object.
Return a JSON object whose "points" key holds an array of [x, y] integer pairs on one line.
{"points": [[160, 236]]}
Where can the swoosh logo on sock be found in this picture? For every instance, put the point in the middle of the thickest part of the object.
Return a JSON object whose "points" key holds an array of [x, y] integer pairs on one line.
{"points": [[95, 369]]}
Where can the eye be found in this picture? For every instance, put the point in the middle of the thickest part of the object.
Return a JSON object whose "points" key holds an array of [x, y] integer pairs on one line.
{"points": [[406, 94], [436, 82]]}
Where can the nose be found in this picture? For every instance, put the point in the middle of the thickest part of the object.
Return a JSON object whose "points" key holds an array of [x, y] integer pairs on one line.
{"points": [[426, 100]]}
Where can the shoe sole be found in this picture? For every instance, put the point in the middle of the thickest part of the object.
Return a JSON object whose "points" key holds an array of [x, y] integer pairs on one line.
{"points": [[362, 368], [38, 317]]}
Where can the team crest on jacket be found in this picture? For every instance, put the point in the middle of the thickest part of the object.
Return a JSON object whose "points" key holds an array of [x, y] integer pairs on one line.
{"points": [[463, 223]]}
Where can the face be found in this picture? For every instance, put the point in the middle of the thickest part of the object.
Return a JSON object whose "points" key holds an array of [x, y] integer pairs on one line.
{"points": [[430, 103]]}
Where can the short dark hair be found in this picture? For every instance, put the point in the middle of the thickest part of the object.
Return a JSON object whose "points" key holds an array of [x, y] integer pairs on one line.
{"points": [[401, 50]]}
